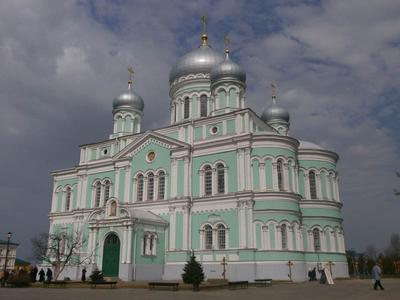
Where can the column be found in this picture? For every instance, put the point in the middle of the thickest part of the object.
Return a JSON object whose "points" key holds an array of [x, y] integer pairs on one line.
{"points": [[307, 194], [79, 192], [261, 175], [116, 190], [145, 189], [322, 240], [90, 242], [185, 226], [242, 225], [275, 177], [328, 186], [318, 182], [266, 245], [214, 188], [240, 170], [172, 228], [127, 184], [250, 227], [290, 237], [247, 164], [201, 187], [54, 198], [174, 175], [186, 176], [286, 176], [129, 250], [294, 178], [123, 244], [336, 185], [310, 241], [278, 237]]}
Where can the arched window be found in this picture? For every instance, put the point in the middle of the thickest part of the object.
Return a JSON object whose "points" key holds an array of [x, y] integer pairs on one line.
{"points": [[175, 113], [208, 237], [313, 187], [97, 194], [139, 194], [279, 169], [145, 237], [186, 108], [316, 237], [284, 236], [67, 198], [221, 178], [221, 236], [113, 209], [150, 186], [161, 185], [203, 106], [107, 187], [207, 180]]}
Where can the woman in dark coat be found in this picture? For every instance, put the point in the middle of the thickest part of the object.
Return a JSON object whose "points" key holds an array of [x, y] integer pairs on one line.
{"points": [[49, 274]]}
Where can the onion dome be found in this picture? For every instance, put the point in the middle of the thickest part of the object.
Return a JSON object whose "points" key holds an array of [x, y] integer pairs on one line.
{"points": [[275, 113], [200, 60], [228, 70], [129, 100]]}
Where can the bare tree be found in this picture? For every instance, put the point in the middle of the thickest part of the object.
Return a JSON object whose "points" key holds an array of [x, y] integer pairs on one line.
{"points": [[393, 250], [59, 250]]}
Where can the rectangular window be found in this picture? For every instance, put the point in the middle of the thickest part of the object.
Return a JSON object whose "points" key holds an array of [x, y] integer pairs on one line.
{"points": [[186, 108]]}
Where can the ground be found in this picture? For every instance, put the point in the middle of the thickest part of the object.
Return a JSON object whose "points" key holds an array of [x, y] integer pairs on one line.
{"points": [[342, 290]]}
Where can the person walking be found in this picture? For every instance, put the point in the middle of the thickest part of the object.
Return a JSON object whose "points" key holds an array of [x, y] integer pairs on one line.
{"points": [[49, 275], [376, 274], [41, 275], [33, 274], [83, 274]]}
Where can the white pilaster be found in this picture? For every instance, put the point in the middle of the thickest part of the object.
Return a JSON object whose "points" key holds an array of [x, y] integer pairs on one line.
{"points": [[247, 165], [172, 228], [261, 172], [250, 226], [129, 249], [266, 245], [307, 186], [124, 244], [286, 176], [174, 175], [275, 177], [127, 184], [318, 183], [116, 190], [186, 176]]}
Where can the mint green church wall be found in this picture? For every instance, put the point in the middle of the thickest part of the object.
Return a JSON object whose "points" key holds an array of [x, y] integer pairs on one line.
{"points": [[180, 177], [222, 99], [329, 212], [272, 151], [173, 135], [266, 216], [121, 189], [233, 98], [323, 184], [229, 217], [230, 127], [228, 157], [316, 164], [92, 178], [301, 184], [179, 230], [198, 133], [268, 173], [276, 204], [256, 177], [148, 259], [209, 127]]}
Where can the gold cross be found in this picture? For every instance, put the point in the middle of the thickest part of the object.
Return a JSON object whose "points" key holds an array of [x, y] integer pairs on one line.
{"points": [[204, 23], [131, 72], [273, 86], [227, 41]]}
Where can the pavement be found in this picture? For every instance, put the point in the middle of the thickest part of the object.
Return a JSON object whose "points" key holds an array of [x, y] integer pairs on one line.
{"points": [[341, 290]]}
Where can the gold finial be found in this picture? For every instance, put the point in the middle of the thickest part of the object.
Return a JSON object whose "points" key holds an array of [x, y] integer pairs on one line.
{"points": [[204, 30], [227, 42], [131, 72], [273, 86]]}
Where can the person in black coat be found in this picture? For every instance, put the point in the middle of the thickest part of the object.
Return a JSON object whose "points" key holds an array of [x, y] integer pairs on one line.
{"points": [[49, 275], [83, 274], [41, 275], [33, 274]]}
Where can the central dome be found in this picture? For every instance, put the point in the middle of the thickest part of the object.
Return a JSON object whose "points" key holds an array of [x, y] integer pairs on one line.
{"points": [[201, 60]]}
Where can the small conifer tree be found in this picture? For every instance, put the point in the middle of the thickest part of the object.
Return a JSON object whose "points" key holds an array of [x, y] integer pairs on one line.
{"points": [[193, 273]]}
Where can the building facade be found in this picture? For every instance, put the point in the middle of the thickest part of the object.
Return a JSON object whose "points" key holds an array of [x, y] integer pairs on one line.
{"points": [[220, 182], [11, 255]]}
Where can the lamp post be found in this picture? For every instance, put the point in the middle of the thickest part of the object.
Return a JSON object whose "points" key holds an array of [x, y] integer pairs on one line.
{"points": [[3, 283]]}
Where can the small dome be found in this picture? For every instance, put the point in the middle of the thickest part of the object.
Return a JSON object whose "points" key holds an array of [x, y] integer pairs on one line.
{"points": [[201, 60], [129, 100], [228, 69], [275, 113]]}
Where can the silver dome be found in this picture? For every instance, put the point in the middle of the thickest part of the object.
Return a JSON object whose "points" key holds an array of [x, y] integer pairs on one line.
{"points": [[228, 69], [275, 113], [201, 60], [129, 100]]}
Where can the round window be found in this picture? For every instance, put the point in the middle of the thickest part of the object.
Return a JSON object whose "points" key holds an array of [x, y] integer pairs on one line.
{"points": [[105, 151], [151, 156], [214, 130]]}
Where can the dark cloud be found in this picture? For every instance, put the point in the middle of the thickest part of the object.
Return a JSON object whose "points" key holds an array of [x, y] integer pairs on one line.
{"points": [[336, 64]]}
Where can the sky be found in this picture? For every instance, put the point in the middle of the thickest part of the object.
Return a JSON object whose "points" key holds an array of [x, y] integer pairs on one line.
{"points": [[336, 65]]}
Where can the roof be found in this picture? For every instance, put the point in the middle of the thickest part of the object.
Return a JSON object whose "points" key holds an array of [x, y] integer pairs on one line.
{"points": [[3, 242], [145, 215], [309, 145], [21, 262]]}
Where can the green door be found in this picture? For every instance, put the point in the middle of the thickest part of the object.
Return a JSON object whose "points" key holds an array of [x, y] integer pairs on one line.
{"points": [[111, 256]]}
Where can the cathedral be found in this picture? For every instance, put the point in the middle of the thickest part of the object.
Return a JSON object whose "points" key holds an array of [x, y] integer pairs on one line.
{"points": [[222, 182]]}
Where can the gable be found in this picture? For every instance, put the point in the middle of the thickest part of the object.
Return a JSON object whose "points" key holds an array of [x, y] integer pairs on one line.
{"points": [[150, 138]]}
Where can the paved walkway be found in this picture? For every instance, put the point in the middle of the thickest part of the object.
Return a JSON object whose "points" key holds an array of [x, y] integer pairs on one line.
{"points": [[342, 290]]}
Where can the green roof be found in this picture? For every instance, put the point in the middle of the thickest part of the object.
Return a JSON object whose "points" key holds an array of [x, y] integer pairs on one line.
{"points": [[3, 242], [20, 262]]}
